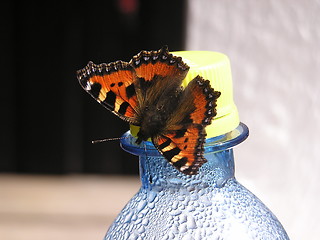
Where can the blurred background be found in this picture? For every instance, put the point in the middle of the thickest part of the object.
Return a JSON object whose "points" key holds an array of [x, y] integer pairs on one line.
{"points": [[55, 184]]}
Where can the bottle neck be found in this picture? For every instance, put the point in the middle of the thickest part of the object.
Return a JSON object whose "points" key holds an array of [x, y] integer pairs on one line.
{"points": [[156, 173]]}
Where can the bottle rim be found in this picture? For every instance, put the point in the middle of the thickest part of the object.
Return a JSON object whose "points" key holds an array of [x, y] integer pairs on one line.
{"points": [[213, 144]]}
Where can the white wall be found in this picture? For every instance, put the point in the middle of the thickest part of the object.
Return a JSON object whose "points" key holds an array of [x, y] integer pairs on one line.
{"points": [[274, 49]]}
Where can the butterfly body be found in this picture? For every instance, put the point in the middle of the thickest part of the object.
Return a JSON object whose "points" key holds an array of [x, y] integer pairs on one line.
{"points": [[147, 92], [154, 117]]}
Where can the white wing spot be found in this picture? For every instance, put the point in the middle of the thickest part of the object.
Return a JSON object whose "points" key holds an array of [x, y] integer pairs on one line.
{"points": [[88, 86]]}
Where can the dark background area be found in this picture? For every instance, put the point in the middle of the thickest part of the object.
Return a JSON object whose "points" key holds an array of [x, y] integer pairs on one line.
{"points": [[47, 120]]}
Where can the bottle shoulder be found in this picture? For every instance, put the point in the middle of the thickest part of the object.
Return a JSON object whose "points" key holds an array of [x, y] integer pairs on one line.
{"points": [[207, 212]]}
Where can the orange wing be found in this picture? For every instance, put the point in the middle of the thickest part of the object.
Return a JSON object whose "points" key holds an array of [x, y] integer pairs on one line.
{"points": [[182, 141], [159, 75], [183, 148], [148, 64], [112, 86], [197, 105]]}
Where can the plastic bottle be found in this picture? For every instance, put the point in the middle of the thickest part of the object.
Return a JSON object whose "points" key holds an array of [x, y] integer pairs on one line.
{"points": [[210, 205]]}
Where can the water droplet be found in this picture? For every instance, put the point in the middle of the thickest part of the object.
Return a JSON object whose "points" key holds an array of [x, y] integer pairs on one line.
{"points": [[141, 229], [191, 208], [196, 204], [187, 237], [145, 221], [141, 206], [133, 236], [138, 221], [151, 205], [205, 200], [126, 235], [182, 219], [128, 217], [182, 228], [174, 205], [191, 223], [171, 235], [134, 217], [175, 212], [221, 182], [175, 181], [151, 196], [194, 197], [165, 237], [143, 213], [186, 201]]}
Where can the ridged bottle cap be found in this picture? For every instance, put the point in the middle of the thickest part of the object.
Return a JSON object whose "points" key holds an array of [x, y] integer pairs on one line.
{"points": [[215, 67]]}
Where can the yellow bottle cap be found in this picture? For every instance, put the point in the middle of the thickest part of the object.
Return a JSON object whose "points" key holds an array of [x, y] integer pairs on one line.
{"points": [[214, 67]]}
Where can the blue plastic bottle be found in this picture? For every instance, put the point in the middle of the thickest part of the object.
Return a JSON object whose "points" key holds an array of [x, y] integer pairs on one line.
{"points": [[211, 205]]}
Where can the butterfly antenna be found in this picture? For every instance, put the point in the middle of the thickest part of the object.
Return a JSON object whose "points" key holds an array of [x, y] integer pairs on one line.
{"points": [[107, 140]]}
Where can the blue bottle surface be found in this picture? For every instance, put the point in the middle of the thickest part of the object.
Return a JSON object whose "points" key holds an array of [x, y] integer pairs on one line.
{"points": [[209, 205]]}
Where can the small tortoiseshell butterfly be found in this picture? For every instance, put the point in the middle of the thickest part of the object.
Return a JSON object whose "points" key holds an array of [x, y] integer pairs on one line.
{"points": [[147, 92]]}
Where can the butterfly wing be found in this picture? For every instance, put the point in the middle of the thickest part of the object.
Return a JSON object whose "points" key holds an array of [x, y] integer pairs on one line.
{"points": [[112, 85], [182, 142], [127, 88], [183, 151], [158, 73]]}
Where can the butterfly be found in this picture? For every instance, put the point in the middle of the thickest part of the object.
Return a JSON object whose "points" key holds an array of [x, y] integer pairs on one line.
{"points": [[147, 92]]}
